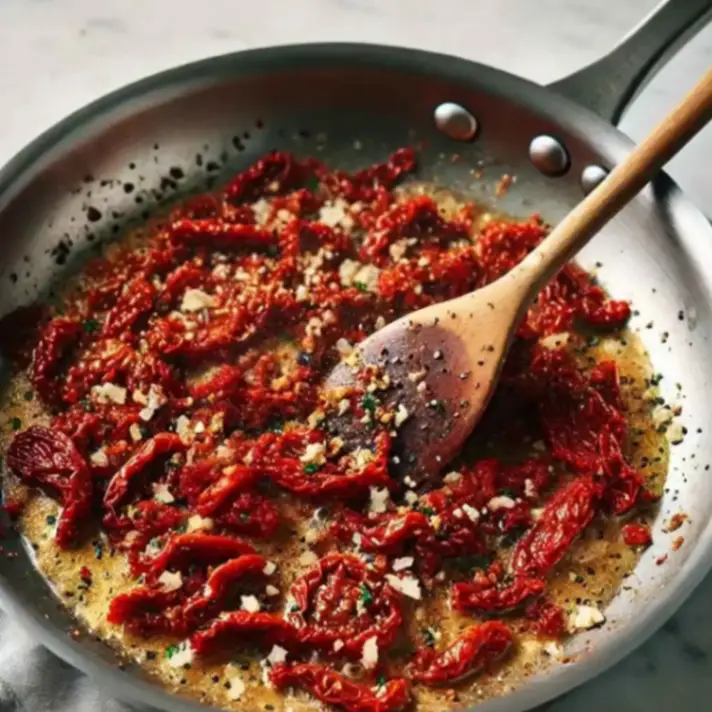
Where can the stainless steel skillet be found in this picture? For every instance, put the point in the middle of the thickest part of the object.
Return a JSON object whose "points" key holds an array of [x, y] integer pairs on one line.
{"points": [[110, 164]]}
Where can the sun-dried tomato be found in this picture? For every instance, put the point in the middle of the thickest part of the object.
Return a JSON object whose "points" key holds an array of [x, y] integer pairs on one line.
{"points": [[105, 361], [58, 338], [218, 591], [48, 459], [223, 235], [121, 483], [340, 600], [547, 618], [334, 689], [148, 611], [565, 516], [243, 627], [478, 647], [249, 514], [274, 455], [271, 175], [184, 550], [418, 217], [368, 184], [467, 596], [234, 480], [136, 300], [386, 533], [635, 534]]}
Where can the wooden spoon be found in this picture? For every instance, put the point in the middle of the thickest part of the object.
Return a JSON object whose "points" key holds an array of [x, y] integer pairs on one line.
{"points": [[444, 360]]}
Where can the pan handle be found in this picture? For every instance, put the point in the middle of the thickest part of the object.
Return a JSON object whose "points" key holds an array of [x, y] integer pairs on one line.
{"points": [[608, 85]]}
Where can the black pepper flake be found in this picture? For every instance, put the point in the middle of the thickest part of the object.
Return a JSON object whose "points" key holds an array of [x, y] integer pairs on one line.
{"points": [[93, 214]]}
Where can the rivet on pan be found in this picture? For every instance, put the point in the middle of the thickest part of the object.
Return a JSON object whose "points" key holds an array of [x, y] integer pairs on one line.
{"points": [[455, 121], [591, 177], [548, 155]]}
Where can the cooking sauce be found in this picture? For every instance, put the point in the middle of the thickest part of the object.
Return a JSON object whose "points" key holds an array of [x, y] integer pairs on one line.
{"points": [[213, 529]]}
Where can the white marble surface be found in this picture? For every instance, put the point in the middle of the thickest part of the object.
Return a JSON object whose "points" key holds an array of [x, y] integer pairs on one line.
{"points": [[56, 55]]}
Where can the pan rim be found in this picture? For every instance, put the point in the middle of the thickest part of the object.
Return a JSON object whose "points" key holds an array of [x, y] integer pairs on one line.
{"points": [[568, 114]]}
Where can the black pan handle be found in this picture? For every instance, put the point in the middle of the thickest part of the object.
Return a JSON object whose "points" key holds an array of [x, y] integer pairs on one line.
{"points": [[608, 85]]}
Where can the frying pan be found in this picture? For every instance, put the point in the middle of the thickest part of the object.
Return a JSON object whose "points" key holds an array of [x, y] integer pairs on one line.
{"points": [[113, 163]]}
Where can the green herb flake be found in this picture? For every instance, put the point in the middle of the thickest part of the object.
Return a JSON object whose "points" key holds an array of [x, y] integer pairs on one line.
{"points": [[428, 637], [311, 468], [182, 528], [366, 595], [428, 511], [361, 286], [381, 680], [16, 423], [51, 520], [276, 426], [369, 403], [28, 395], [91, 326], [245, 516], [509, 492], [98, 549], [171, 650]]}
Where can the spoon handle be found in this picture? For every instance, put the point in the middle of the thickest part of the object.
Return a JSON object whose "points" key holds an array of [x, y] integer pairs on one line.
{"points": [[621, 185]]}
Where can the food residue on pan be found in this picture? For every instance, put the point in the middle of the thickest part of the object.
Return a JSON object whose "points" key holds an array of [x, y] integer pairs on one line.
{"points": [[200, 513]]}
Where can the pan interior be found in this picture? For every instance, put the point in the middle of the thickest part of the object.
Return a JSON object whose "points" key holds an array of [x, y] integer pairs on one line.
{"points": [[114, 166]]}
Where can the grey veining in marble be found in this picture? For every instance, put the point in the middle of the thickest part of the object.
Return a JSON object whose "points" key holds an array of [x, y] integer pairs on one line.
{"points": [[56, 55]]}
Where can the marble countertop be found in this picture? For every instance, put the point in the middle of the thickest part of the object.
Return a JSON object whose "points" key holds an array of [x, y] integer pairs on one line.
{"points": [[56, 55]]}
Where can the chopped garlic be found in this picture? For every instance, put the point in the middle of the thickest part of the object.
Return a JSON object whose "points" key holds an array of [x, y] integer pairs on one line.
{"points": [[155, 400], [250, 604], [99, 458], [170, 581], [269, 568], [196, 523], [314, 454], [162, 493], [338, 644], [348, 269], [403, 563], [411, 497], [402, 415], [344, 405], [335, 215], [135, 432], [379, 500], [237, 688], [308, 558], [451, 478], [408, 585], [362, 457], [195, 300], [302, 293], [183, 428], [271, 590], [369, 655], [261, 210], [368, 276], [109, 392], [529, 489], [277, 655], [555, 341], [585, 617], [183, 656], [472, 514], [662, 416], [502, 502]]}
